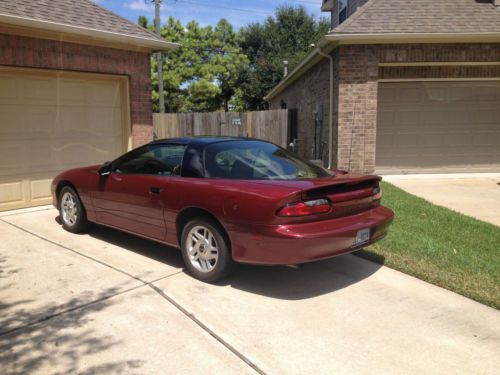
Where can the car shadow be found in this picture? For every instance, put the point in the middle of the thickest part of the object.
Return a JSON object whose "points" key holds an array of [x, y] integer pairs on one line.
{"points": [[311, 280], [280, 282], [148, 248], [153, 250]]}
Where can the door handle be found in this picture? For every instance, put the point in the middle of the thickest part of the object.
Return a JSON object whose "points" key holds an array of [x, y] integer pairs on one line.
{"points": [[155, 190]]}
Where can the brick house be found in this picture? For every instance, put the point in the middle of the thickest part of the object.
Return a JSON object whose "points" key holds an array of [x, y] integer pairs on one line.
{"points": [[415, 87], [75, 89]]}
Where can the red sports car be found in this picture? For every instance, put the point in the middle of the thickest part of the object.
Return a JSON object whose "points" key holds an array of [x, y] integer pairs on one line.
{"points": [[224, 201]]}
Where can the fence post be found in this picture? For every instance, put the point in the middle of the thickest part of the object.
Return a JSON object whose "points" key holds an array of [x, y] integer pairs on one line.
{"points": [[249, 125]]}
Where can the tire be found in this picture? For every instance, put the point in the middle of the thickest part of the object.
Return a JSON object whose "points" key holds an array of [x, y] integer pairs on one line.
{"points": [[71, 211], [206, 250]]}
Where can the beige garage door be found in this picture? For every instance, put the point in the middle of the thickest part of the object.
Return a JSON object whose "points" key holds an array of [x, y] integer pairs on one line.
{"points": [[438, 127], [52, 121]]}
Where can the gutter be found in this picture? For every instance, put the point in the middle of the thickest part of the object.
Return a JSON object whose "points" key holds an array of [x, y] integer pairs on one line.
{"points": [[330, 102], [125, 39]]}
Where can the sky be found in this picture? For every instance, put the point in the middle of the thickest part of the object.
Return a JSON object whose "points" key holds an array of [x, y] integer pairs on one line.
{"points": [[207, 12]]}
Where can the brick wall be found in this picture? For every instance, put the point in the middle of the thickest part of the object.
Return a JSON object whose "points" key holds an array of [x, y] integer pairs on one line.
{"points": [[357, 107], [27, 52], [356, 75], [311, 90]]}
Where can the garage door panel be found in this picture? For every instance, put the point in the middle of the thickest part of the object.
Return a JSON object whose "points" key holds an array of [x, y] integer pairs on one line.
{"points": [[405, 118], [8, 90], [35, 121], [406, 140], [489, 139], [104, 95], [73, 152], [458, 141], [36, 91], [11, 192], [430, 141], [53, 121], [109, 115], [429, 117], [39, 189], [433, 95], [455, 125]]}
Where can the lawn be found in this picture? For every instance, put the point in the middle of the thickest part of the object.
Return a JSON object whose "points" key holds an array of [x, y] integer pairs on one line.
{"points": [[440, 246]]}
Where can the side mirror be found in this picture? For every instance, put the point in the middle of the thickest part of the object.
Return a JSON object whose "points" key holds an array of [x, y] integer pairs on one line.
{"points": [[105, 169]]}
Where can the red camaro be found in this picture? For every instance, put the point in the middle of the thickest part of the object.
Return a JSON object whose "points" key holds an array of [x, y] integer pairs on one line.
{"points": [[226, 200]]}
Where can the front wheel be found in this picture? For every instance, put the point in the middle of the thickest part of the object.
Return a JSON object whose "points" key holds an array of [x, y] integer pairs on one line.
{"points": [[206, 250], [71, 211]]}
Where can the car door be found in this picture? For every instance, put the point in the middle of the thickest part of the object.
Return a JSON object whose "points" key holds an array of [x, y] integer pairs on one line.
{"points": [[135, 194]]}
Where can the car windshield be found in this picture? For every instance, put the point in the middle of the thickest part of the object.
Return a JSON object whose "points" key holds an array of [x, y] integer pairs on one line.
{"points": [[254, 160]]}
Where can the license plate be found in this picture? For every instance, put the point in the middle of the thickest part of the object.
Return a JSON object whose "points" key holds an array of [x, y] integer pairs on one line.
{"points": [[362, 236]]}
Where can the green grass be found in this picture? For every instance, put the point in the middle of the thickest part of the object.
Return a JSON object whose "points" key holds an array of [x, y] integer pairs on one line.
{"points": [[440, 246]]}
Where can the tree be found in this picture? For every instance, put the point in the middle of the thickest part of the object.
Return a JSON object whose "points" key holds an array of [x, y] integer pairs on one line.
{"points": [[202, 73], [286, 36], [217, 68]]}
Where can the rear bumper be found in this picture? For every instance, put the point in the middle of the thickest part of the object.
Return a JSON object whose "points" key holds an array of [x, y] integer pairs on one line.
{"points": [[301, 243]]}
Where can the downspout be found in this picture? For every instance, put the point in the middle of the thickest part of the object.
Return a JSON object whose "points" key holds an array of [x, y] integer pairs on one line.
{"points": [[330, 119]]}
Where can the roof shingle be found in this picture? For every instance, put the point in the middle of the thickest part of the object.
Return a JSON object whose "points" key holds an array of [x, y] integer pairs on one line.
{"points": [[80, 13], [422, 16]]}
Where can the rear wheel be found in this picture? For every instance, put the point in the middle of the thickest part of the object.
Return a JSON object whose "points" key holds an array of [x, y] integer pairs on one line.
{"points": [[206, 250], [71, 211]]}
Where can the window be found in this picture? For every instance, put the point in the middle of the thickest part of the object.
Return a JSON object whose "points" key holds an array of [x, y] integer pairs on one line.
{"points": [[257, 160], [343, 10], [156, 159]]}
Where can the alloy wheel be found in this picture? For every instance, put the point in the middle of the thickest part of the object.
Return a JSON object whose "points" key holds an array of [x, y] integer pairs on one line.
{"points": [[202, 249], [69, 208]]}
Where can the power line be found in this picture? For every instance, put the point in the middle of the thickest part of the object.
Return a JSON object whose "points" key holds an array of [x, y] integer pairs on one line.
{"points": [[235, 52], [227, 8], [306, 2]]}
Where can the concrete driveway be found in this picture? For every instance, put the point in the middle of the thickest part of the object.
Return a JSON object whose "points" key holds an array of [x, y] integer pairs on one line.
{"points": [[107, 302], [473, 194]]}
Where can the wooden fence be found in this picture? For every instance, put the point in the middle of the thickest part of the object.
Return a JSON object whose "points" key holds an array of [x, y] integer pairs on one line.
{"points": [[270, 125]]}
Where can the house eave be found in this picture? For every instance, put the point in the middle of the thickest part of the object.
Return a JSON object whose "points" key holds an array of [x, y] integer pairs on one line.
{"points": [[382, 38], [122, 39], [332, 41]]}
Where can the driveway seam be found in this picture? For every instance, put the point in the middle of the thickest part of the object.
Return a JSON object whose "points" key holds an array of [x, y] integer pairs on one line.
{"points": [[75, 251], [160, 292], [204, 327]]}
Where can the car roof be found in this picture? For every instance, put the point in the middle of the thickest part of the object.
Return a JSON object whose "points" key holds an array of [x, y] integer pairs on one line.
{"points": [[202, 140]]}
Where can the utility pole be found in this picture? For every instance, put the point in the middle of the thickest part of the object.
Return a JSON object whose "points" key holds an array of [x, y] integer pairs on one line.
{"points": [[159, 58]]}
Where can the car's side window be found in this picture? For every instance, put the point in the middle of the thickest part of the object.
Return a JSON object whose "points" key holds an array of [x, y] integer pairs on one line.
{"points": [[155, 159]]}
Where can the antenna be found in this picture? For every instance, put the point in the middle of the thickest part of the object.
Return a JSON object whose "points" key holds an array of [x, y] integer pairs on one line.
{"points": [[285, 68]]}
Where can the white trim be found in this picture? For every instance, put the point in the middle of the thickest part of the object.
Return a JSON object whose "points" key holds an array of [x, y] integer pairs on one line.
{"points": [[436, 79], [438, 176], [153, 44], [413, 37], [455, 63]]}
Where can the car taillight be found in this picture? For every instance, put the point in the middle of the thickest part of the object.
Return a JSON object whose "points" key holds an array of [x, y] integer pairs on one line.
{"points": [[317, 206]]}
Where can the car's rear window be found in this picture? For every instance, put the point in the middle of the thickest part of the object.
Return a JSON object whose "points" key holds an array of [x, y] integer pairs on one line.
{"points": [[254, 160]]}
